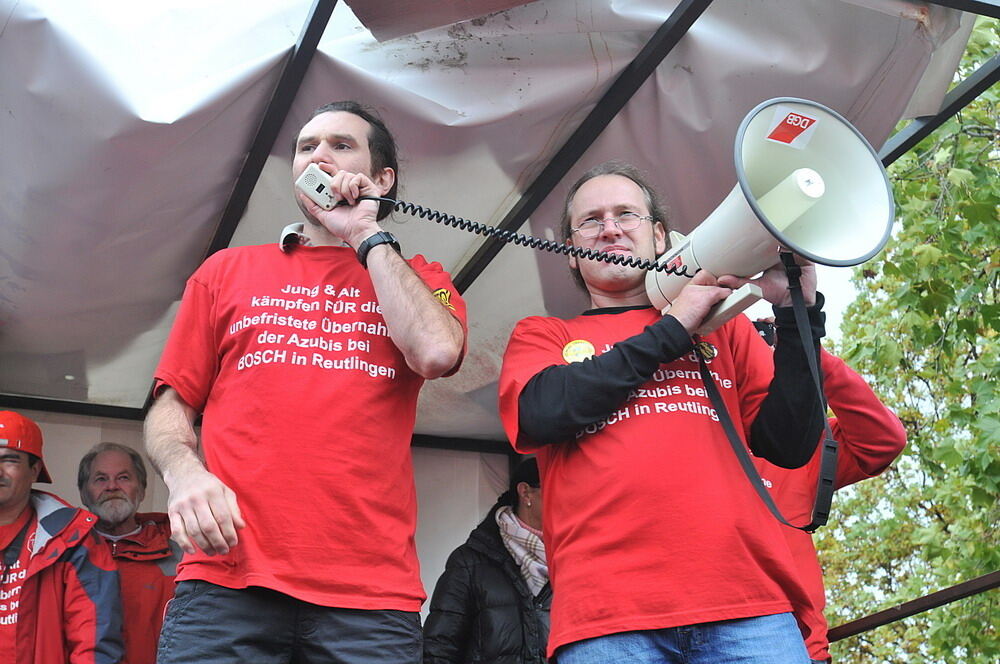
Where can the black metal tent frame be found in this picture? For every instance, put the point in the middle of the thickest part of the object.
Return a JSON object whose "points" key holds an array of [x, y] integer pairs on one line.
{"points": [[620, 92]]}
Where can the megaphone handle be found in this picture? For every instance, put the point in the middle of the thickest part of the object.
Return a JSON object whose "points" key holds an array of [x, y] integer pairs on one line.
{"points": [[735, 304]]}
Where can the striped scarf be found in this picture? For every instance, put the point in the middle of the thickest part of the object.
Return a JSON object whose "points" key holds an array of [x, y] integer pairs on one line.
{"points": [[526, 548]]}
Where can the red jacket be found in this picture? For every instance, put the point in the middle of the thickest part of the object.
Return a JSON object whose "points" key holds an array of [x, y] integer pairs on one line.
{"points": [[871, 437], [147, 563], [69, 610]]}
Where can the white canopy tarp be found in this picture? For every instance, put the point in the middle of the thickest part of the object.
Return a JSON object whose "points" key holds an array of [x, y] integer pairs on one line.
{"points": [[123, 127]]}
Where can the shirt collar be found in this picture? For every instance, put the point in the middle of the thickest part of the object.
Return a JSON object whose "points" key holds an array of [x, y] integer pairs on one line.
{"points": [[616, 310], [292, 235], [116, 538]]}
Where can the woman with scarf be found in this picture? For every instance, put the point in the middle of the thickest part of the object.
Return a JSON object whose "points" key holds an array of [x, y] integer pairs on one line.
{"points": [[492, 602]]}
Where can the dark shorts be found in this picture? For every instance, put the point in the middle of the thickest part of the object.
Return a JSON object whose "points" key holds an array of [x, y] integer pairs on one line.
{"points": [[211, 624]]}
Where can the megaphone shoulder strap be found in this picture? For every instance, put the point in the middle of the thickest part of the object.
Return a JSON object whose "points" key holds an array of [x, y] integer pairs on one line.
{"points": [[828, 462]]}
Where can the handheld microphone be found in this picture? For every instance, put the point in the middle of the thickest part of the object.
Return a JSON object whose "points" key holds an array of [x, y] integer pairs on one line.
{"points": [[315, 183]]}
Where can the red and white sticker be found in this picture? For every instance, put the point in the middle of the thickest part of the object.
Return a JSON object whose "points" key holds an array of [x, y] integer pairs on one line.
{"points": [[676, 263], [791, 126]]}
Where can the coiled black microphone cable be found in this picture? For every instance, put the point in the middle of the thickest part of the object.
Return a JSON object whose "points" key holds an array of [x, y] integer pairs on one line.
{"points": [[521, 239]]}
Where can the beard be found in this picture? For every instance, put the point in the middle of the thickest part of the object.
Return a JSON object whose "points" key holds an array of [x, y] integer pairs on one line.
{"points": [[310, 219], [114, 510]]}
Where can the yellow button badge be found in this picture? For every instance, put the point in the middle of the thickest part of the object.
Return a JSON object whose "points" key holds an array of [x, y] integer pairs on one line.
{"points": [[578, 350]]}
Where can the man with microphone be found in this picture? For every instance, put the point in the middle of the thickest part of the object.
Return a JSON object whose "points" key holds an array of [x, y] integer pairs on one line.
{"points": [[659, 548], [296, 506]]}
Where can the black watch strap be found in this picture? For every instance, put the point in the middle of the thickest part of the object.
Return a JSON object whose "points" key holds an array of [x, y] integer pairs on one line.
{"points": [[382, 237]]}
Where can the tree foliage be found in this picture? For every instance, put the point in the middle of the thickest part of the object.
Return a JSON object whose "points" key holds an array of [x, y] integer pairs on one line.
{"points": [[924, 330]]}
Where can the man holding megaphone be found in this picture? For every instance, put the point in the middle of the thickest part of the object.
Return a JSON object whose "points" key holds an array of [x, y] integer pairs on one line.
{"points": [[659, 548]]}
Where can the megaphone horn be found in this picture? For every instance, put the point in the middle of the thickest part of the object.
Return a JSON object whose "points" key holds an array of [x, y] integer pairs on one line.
{"points": [[808, 181]]}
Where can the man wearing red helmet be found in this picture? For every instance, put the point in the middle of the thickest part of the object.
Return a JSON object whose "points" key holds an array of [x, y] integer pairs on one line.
{"points": [[59, 599]]}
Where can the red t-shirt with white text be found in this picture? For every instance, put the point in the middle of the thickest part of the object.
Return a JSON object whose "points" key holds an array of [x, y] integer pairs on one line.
{"points": [[870, 437], [649, 520], [12, 577], [308, 410]]}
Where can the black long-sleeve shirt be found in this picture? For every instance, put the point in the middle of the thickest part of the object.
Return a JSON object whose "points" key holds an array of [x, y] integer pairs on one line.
{"points": [[561, 400]]}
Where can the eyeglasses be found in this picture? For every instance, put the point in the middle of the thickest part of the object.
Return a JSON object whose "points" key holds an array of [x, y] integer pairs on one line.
{"points": [[626, 221]]}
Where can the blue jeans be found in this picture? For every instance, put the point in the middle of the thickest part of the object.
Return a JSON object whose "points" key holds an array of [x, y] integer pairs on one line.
{"points": [[762, 640]]}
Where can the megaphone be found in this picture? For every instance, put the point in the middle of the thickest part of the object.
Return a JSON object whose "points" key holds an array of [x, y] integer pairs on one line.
{"points": [[807, 182]]}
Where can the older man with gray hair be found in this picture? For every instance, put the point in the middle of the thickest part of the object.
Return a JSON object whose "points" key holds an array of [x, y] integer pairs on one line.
{"points": [[112, 483]]}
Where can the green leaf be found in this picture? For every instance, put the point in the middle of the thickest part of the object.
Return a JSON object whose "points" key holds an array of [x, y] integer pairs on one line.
{"points": [[927, 255], [991, 315], [982, 497], [947, 454], [961, 176], [990, 426], [942, 155]]}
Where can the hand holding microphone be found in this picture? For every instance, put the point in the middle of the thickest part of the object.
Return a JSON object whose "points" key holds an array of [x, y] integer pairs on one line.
{"points": [[331, 199]]}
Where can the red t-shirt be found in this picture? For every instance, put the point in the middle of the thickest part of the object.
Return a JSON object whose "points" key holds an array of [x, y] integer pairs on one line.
{"points": [[870, 437], [648, 518], [308, 410], [12, 577]]}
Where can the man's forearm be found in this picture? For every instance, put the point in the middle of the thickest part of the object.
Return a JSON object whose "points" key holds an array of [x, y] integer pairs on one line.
{"points": [[561, 400], [869, 432], [203, 511], [171, 441], [430, 338], [788, 425]]}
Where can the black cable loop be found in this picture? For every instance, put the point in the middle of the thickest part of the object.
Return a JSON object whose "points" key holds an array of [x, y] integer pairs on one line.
{"points": [[523, 240]]}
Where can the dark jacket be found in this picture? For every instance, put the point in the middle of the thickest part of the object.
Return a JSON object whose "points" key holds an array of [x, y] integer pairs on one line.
{"points": [[482, 610]]}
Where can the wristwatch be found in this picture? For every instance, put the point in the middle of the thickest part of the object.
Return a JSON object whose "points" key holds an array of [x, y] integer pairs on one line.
{"points": [[382, 237]]}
